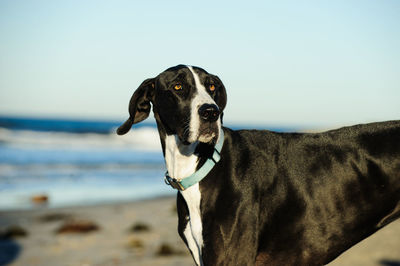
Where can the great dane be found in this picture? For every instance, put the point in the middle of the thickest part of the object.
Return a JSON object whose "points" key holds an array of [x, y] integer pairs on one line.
{"points": [[257, 197]]}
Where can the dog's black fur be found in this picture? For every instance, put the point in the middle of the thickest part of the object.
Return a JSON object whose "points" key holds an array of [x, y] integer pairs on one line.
{"points": [[299, 199], [283, 198]]}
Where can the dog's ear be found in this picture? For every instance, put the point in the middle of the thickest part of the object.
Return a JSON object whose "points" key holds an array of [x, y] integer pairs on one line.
{"points": [[220, 97], [139, 105]]}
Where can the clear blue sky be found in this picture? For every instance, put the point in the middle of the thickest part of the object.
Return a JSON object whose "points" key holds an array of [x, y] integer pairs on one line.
{"points": [[294, 63]]}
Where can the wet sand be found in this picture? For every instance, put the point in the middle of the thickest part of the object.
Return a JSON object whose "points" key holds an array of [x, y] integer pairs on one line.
{"points": [[136, 233]]}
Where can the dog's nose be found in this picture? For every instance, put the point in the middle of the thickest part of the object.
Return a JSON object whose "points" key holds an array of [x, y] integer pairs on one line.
{"points": [[209, 112]]}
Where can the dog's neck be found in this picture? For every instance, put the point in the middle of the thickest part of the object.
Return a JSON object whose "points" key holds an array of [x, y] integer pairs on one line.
{"points": [[181, 160]]}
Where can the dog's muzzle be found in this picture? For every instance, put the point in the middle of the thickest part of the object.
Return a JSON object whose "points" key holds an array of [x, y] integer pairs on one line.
{"points": [[208, 129]]}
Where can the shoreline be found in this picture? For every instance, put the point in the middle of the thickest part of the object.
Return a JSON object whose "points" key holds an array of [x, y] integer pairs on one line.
{"points": [[142, 232]]}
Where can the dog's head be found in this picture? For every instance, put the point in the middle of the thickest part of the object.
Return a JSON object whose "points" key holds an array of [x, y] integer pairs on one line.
{"points": [[187, 102]]}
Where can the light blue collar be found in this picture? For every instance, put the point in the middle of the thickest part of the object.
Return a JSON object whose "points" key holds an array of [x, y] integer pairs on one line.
{"points": [[197, 176]]}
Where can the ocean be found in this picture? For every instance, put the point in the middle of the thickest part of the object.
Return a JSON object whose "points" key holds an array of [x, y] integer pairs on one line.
{"points": [[78, 162]]}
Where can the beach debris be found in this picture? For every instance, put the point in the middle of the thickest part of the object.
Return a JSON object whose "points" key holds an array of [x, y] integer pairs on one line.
{"points": [[77, 227], [13, 231], [166, 249], [40, 199], [140, 227], [54, 217], [135, 243]]}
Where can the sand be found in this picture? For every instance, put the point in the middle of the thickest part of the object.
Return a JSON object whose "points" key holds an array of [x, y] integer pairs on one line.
{"points": [[154, 241]]}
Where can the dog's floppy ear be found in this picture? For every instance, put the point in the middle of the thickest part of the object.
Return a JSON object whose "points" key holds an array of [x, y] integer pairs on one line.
{"points": [[139, 105], [220, 97]]}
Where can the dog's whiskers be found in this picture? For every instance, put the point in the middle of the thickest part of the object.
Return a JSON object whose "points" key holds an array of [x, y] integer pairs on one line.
{"points": [[186, 128]]}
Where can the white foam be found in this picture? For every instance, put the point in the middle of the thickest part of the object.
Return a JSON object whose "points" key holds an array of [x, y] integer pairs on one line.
{"points": [[145, 138]]}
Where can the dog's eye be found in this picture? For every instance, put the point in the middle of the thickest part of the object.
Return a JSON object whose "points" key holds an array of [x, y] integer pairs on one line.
{"points": [[178, 87], [211, 87]]}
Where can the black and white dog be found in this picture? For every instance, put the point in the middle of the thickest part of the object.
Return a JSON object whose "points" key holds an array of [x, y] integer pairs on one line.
{"points": [[253, 197]]}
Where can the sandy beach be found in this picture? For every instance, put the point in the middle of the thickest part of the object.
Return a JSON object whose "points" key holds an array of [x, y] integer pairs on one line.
{"points": [[135, 233]]}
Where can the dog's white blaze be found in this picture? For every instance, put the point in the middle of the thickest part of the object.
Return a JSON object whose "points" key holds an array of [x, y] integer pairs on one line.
{"points": [[201, 97], [181, 162]]}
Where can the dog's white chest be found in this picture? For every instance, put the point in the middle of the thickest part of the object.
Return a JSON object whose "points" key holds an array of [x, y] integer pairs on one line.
{"points": [[194, 228]]}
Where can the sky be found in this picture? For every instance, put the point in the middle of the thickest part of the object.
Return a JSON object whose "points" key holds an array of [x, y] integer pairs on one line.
{"points": [[287, 63]]}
